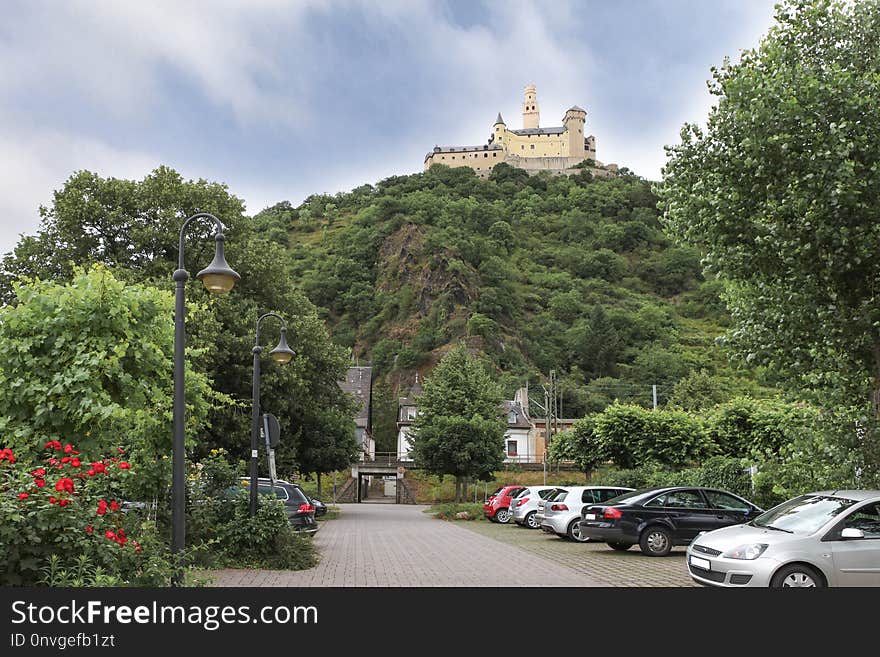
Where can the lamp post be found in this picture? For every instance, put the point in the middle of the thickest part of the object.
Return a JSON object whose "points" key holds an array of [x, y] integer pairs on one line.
{"points": [[218, 278], [281, 354]]}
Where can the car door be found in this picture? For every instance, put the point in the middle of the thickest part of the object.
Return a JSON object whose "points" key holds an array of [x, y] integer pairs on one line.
{"points": [[857, 560], [729, 509], [690, 514]]}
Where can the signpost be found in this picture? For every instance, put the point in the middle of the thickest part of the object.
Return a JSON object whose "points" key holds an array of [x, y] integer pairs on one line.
{"points": [[271, 431]]}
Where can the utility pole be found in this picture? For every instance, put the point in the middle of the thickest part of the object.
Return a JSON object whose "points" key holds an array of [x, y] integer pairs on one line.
{"points": [[551, 420], [654, 390]]}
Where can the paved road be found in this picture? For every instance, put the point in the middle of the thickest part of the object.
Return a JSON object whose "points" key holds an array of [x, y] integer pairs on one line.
{"points": [[398, 545]]}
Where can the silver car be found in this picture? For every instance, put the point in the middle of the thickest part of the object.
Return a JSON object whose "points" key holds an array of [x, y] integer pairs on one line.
{"points": [[827, 538], [561, 514], [525, 506]]}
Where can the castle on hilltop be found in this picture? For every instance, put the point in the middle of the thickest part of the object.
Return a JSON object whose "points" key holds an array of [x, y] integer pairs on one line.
{"points": [[532, 148]]}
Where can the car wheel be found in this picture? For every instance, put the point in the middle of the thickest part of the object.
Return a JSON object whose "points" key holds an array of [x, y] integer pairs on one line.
{"points": [[796, 575], [574, 531], [623, 547], [502, 516], [656, 541], [531, 521]]}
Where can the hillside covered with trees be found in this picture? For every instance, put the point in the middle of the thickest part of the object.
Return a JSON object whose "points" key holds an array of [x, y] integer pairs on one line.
{"points": [[572, 274]]}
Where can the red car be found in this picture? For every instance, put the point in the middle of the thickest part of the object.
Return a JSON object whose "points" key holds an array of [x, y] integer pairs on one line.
{"points": [[497, 506]]}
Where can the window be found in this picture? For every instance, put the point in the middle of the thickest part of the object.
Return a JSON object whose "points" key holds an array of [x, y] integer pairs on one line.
{"points": [[533, 147], [511, 417], [546, 493], [725, 501], [686, 499], [866, 519], [494, 154], [511, 447], [266, 489], [411, 413], [523, 147], [485, 155], [590, 496], [658, 501]]}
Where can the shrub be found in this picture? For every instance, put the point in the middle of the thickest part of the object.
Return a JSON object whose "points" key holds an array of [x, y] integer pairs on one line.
{"points": [[69, 507]]}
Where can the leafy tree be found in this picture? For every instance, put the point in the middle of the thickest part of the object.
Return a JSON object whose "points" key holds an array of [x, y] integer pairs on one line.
{"points": [[781, 191], [458, 431], [89, 362], [581, 445], [132, 227], [632, 436], [699, 390]]}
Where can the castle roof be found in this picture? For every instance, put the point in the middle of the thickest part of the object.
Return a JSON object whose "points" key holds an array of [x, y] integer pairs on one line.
{"points": [[575, 108], [539, 131], [499, 120]]}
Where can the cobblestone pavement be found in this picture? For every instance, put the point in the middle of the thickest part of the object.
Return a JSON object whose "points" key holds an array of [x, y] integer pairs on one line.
{"points": [[399, 545], [596, 560]]}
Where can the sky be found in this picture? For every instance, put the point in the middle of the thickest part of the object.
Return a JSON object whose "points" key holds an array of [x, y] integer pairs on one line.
{"points": [[280, 99]]}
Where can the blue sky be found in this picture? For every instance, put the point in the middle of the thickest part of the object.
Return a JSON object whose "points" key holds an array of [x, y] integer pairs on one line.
{"points": [[281, 99]]}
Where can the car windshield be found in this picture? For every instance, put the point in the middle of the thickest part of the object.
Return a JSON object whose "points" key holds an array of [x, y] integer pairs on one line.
{"points": [[496, 491], [631, 495], [803, 515]]}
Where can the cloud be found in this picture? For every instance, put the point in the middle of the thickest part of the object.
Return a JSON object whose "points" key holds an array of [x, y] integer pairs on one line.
{"points": [[33, 163]]}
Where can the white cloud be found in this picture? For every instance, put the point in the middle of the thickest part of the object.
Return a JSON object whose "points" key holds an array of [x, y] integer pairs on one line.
{"points": [[33, 163]]}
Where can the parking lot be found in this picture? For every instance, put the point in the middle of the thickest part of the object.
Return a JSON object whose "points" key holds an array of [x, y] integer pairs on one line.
{"points": [[596, 560], [373, 545]]}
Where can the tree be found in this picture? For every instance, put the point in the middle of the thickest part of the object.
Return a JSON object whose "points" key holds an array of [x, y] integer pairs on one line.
{"points": [[581, 445], [89, 363], [458, 430], [132, 228], [781, 192]]}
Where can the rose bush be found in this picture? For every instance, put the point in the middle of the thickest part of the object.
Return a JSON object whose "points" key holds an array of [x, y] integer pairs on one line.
{"points": [[68, 508]]}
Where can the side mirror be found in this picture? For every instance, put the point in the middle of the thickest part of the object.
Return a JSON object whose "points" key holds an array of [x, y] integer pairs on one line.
{"points": [[852, 532]]}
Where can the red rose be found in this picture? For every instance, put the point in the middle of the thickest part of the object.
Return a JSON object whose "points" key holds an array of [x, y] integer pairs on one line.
{"points": [[75, 462], [114, 459], [40, 482], [65, 483], [114, 506], [63, 502], [120, 450], [52, 461], [89, 529], [68, 448], [39, 472], [110, 535], [23, 496], [102, 507], [97, 466], [91, 473], [65, 459], [74, 452], [51, 500], [124, 466]]}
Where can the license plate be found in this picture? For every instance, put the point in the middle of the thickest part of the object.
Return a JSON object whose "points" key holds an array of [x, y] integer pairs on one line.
{"points": [[705, 564], [590, 516]]}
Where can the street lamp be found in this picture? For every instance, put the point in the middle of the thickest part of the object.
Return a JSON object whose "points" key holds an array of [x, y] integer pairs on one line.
{"points": [[281, 354], [218, 278]]}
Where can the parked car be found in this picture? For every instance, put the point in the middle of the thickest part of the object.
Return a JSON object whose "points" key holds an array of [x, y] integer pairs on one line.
{"points": [[525, 505], [659, 518], [827, 538], [497, 505], [561, 515], [320, 507], [298, 505]]}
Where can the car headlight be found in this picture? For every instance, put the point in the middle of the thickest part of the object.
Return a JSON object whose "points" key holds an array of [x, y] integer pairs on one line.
{"points": [[747, 552]]}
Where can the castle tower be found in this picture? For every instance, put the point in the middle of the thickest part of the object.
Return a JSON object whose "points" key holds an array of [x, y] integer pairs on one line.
{"points": [[498, 131], [573, 121], [531, 112]]}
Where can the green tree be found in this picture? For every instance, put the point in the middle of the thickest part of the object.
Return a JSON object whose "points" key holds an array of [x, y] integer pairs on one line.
{"points": [[458, 431], [581, 445], [89, 362], [132, 227], [781, 192]]}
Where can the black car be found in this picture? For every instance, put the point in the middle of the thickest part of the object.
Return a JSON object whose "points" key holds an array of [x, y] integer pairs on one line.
{"points": [[658, 518], [320, 507], [298, 505]]}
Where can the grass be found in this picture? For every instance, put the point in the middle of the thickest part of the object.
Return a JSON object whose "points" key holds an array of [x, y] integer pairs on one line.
{"points": [[429, 489], [451, 511]]}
